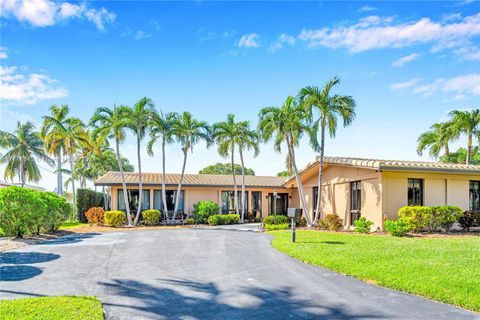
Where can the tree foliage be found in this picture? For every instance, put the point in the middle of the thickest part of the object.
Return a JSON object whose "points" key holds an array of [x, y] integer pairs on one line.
{"points": [[225, 169]]}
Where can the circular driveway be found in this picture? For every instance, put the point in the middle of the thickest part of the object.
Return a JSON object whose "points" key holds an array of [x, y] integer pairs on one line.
{"points": [[201, 274]]}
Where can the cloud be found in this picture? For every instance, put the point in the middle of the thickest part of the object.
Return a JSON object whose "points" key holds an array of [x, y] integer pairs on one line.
{"points": [[140, 34], [471, 53], [44, 13], [283, 39], [375, 32], [404, 85], [3, 54], [367, 9], [403, 60], [249, 41]]}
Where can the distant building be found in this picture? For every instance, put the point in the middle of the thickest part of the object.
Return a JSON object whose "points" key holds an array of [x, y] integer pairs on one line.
{"points": [[4, 184]]}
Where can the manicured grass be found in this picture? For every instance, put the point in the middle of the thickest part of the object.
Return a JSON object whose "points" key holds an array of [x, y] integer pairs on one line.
{"points": [[443, 269], [70, 225], [52, 308]]}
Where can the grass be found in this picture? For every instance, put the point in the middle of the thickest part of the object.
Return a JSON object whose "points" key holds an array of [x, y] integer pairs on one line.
{"points": [[52, 308], [70, 225], [443, 269]]}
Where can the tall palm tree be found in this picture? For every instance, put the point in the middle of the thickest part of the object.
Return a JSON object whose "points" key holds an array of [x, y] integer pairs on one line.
{"points": [[24, 148], [248, 139], [286, 125], [188, 132], [55, 146], [324, 109], [436, 139], [111, 124], [468, 123], [161, 127], [225, 134], [138, 119]]}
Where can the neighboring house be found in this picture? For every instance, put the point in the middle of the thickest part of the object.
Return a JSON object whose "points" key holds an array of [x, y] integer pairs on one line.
{"points": [[9, 184], [351, 188]]}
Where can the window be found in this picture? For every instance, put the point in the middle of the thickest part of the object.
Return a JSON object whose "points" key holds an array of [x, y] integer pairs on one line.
{"points": [[474, 195], [355, 201], [228, 201], [315, 198], [133, 197], [157, 200], [278, 205], [415, 192], [257, 202]]}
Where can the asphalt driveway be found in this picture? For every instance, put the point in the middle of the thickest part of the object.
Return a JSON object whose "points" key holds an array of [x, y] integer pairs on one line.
{"points": [[201, 274]]}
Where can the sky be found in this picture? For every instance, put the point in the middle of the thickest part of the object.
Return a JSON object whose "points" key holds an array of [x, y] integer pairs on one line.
{"points": [[406, 64]]}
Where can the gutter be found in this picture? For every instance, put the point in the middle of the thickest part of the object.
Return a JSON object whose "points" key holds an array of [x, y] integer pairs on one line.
{"points": [[439, 170]]}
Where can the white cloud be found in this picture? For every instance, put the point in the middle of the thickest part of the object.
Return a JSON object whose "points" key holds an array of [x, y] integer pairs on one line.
{"points": [[3, 54], [140, 34], [43, 13], [471, 53], [403, 60], [283, 39], [367, 8], [403, 85], [374, 32], [249, 41]]}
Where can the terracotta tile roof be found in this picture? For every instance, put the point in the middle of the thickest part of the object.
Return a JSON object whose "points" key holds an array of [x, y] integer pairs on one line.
{"points": [[208, 180]]}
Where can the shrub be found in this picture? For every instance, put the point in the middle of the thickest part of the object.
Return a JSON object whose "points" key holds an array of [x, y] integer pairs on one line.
{"points": [[189, 221], [87, 199], [95, 215], [279, 226], [444, 217], [301, 221], [21, 210], [58, 211], [362, 225], [331, 222], [222, 219], [151, 217], [417, 217], [397, 228], [204, 209], [469, 219], [278, 220], [114, 218]]}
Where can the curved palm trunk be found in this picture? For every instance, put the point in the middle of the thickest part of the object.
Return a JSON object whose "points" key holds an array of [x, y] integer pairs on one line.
{"points": [[235, 195], [164, 192], [320, 177], [299, 183], [140, 195], [243, 186], [59, 173], [177, 198], [124, 186], [22, 173], [469, 148], [70, 156]]}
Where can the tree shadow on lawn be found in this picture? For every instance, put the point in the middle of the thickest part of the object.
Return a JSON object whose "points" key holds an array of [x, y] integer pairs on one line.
{"points": [[186, 299], [14, 264]]}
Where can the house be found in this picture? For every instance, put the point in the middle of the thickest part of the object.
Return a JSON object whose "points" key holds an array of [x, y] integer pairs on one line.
{"points": [[4, 184], [351, 188]]}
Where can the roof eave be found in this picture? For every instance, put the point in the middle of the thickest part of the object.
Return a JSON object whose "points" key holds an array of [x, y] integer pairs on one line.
{"points": [[439, 170]]}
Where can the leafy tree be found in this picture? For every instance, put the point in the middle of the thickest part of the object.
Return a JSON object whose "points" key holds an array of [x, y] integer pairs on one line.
{"points": [[283, 174], [24, 147], [436, 139], [468, 123], [286, 124], [225, 169], [323, 111], [460, 156]]}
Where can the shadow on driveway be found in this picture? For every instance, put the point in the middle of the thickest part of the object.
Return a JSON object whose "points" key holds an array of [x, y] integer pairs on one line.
{"points": [[71, 238], [14, 265], [18, 273]]}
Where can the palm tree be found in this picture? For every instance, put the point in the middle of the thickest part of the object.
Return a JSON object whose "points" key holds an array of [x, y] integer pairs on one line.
{"points": [[436, 139], [138, 119], [161, 127], [225, 134], [24, 147], [188, 132], [286, 125], [323, 110], [55, 146], [111, 124], [466, 122], [247, 139]]}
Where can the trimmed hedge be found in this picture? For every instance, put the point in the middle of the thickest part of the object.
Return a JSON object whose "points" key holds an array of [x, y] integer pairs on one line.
{"points": [[430, 219], [95, 215], [331, 222], [397, 228], [115, 218], [469, 219], [280, 219], [204, 209], [58, 211], [151, 217], [222, 219], [279, 226], [87, 199], [362, 225]]}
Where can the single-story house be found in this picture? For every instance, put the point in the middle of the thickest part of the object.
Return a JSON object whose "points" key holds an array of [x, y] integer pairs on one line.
{"points": [[351, 188]]}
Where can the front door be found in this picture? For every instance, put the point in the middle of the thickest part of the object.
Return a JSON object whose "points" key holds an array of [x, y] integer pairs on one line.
{"points": [[281, 203]]}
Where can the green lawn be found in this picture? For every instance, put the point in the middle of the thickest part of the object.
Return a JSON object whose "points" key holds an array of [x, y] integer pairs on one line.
{"points": [[52, 308], [70, 225], [443, 269]]}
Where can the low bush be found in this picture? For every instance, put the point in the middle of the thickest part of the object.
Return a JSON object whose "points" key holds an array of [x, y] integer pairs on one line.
{"points": [[87, 199], [204, 209], [301, 221], [151, 217], [469, 219], [362, 225], [397, 228], [430, 219], [417, 217], [58, 211], [331, 222], [95, 215], [444, 217], [279, 226], [189, 221], [223, 219], [114, 218], [275, 219]]}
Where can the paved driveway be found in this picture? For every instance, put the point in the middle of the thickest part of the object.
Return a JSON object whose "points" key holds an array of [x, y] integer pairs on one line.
{"points": [[201, 274]]}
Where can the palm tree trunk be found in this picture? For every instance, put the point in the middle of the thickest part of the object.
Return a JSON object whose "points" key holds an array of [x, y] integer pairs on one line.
{"points": [[22, 173], [164, 192], [235, 195], [70, 156], [140, 195], [299, 182], [125, 194], [469, 148], [447, 152], [59, 173], [243, 186], [177, 198], [320, 176]]}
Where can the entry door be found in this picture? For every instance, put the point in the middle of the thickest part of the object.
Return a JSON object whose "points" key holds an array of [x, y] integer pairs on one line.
{"points": [[281, 203]]}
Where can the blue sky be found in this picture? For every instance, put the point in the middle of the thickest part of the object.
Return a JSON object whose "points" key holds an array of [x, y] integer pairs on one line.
{"points": [[405, 63]]}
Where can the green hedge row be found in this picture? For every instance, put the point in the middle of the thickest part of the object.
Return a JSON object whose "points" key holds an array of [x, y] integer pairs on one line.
{"points": [[222, 219]]}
